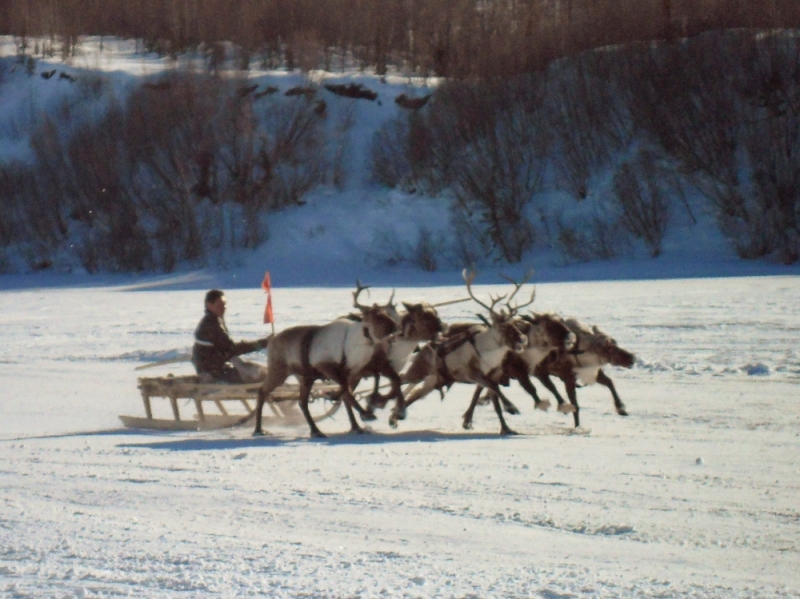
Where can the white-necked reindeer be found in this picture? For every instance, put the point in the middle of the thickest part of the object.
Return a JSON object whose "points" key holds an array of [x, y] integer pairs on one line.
{"points": [[583, 364], [335, 351], [470, 353]]}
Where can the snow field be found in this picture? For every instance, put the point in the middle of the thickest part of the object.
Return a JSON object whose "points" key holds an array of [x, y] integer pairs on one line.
{"points": [[694, 494]]}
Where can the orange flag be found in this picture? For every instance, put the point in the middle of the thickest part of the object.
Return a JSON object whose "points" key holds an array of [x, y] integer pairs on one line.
{"points": [[266, 285]]}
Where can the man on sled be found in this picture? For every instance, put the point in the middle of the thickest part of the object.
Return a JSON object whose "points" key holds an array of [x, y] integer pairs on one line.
{"points": [[215, 354]]}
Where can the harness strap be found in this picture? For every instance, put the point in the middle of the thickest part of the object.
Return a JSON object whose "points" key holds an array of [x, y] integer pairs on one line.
{"points": [[305, 353]]}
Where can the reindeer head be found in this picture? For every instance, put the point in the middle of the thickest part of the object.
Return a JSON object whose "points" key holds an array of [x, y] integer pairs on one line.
{"points": [[378, 320], [548, 331], [607, 348], [510, 333], [421, 322], [502, 322]]}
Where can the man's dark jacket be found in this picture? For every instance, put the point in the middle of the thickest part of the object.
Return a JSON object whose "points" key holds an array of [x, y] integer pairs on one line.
{"points": [[213, 346]]}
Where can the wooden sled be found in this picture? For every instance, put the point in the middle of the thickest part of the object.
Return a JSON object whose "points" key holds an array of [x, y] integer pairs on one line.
{"points": [[283, 404]]}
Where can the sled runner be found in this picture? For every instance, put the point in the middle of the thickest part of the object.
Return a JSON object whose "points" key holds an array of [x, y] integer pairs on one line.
{"points": [[235, 404]]}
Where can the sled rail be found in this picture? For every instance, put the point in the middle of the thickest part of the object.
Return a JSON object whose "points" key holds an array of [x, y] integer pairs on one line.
{"points": [[174, 388]]}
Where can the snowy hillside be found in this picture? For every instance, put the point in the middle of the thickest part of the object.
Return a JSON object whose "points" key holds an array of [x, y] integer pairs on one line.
{"points": [[356, 229]]}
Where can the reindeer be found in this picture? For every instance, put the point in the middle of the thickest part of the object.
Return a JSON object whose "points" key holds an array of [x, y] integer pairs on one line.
{"points": [[592, 350], [470, 353], [547, 335], [334, 351], [420, 323]]}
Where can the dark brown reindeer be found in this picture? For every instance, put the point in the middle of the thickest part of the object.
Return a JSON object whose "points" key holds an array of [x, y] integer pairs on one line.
{"points": [[419, 324], [470, 353], [583, 364], [334, 351]]}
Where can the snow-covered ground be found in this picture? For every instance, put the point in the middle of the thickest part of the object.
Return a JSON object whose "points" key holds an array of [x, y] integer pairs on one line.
{"points": [[693, 495]]}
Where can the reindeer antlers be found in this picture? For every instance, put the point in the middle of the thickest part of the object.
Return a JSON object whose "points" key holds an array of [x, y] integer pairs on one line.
{"points": [[357, 292], [468, 278], [514, 309], [360, 288]]}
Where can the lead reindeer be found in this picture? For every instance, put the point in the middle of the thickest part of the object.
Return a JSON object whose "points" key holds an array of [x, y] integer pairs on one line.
{"points": [[335, 351], [583, 364], [471, 353]]}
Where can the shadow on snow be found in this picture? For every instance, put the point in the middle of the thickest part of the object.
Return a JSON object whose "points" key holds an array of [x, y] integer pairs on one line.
{"points": [[371, 438]]}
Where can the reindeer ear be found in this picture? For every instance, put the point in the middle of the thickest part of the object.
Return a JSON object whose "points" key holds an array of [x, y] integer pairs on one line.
{"points": [[409, 307]]}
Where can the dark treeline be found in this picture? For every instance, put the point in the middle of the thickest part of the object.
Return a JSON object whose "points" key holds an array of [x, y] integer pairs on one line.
{"points": [[454, 38]]}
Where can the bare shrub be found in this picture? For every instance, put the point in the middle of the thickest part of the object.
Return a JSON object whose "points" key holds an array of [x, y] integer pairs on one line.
{"points": [[487, 146], [399, 154], [340, 145], [389, 164], [644, 208], [727, 106], [768, 220], [426, 252], [170, 135], [597, 238], [588, 120], [295, 147], [15, 184]]}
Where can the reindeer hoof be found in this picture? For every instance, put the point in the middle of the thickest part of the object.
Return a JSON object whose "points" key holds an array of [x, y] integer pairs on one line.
{"points": [[377, 401], [259, 433], [566, 408], [622, 412], [508, 432], [368, 416], [467, 424], [392, 421], [543, 405], [318, 435], [357, 431], [512, 410]]}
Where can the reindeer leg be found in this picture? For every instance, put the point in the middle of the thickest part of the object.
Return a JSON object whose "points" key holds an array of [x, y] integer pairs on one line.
{"points": [[274, 379], [504, 428], [428, 385], [467, 421], [571, 386], [539, 404], [545, 379], [366, 414], [262, 396], [376, 400], [400, 404], [603, 379], [508, 406], [349, 403], [305, 391]]}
